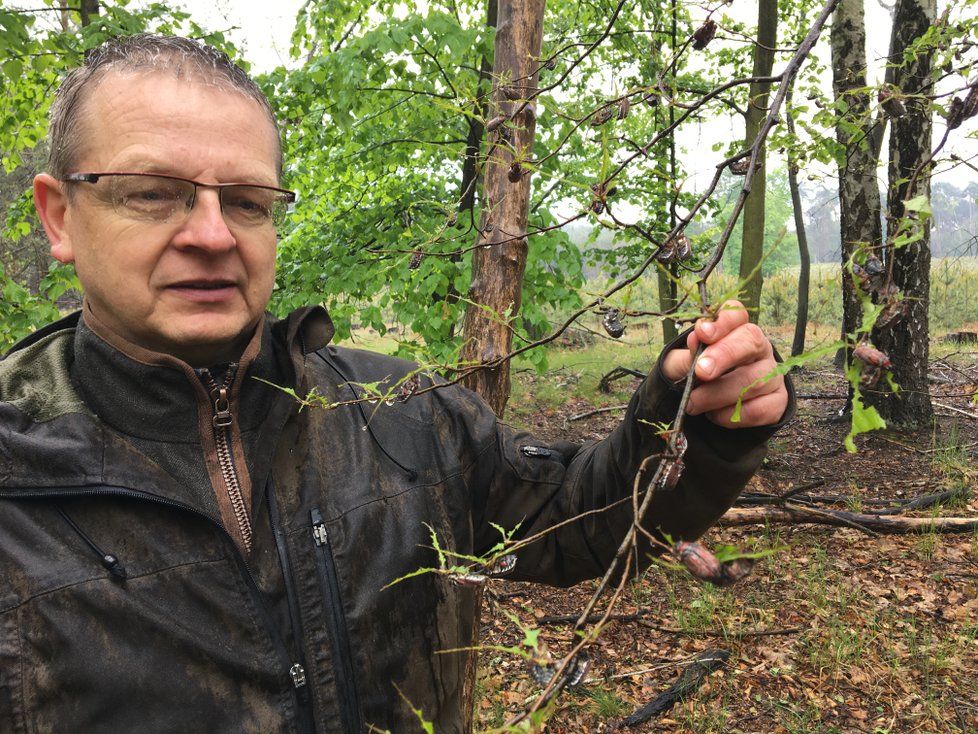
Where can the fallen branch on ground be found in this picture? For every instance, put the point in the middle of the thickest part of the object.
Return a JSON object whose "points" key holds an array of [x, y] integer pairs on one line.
{"points": [[589, 413], [616, 374], [691, 679], [872, 523]]}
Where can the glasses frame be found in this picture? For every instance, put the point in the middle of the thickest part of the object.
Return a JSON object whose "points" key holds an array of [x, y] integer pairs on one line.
{"points": [[287, 196]]}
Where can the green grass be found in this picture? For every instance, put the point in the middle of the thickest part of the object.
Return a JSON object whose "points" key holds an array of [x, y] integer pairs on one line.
{"points": [[606, 704]]}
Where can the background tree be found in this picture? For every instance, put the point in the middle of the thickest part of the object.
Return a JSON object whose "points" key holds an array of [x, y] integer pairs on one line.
{"points": [[499, 260], [859, 135], [906, 257], [752, 252]]}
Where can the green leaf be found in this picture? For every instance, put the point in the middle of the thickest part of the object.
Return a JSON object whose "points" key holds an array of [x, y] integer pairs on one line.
{"points": [[864, 420], [13, 69]]}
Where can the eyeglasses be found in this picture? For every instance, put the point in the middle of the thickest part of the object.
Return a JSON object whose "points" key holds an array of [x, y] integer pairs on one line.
{"points": [[160, 197]]}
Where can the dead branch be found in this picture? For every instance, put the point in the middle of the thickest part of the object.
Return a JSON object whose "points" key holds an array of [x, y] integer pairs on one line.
{"points": [[863, 521], [894, 506], [596, 411], [691, 679], [955, 410], [616, 374], [593, 618]]}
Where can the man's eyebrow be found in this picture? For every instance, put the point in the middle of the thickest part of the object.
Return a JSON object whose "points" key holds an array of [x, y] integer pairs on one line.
{"points": [[148, 166]]}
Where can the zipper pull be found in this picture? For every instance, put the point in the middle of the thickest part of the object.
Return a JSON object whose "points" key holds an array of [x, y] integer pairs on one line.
{"points": [[319, 529], [219, 394], [222, 408], [298, 675]]}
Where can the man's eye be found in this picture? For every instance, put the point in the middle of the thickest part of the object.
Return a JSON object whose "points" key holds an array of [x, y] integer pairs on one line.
{"points": [[253, 204], [150, 194]]}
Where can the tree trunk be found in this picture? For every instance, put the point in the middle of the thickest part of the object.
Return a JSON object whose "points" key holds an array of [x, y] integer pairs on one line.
{"points": [[752, 249], [500, 258], [907, 341], [859, 194], [471, 170], [805, 267], [499, 261], [88, 9], [668, 298]]}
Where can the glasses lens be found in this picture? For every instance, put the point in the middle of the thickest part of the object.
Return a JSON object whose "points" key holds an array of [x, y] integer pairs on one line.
{"points": [[253, 206], [150, 198]]}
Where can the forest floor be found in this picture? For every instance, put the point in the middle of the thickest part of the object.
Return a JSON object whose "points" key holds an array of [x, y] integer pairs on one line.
{"points": [[837, 630]]}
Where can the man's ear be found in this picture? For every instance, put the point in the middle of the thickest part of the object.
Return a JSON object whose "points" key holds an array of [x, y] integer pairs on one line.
{"points": [[52, 205]]}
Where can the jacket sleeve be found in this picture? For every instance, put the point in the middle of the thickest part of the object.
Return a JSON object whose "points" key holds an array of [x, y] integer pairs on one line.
{"points": [[536, 487]]}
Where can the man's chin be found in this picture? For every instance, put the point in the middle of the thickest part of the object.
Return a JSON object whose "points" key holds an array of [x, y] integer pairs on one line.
{"points": [[202, 345]]}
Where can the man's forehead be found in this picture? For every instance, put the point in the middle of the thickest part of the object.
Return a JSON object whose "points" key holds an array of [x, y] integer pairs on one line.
{"points": [[115, 77]]}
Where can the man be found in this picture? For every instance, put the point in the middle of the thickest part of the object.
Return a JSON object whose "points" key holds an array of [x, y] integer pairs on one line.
{"points": [[181, 547]]}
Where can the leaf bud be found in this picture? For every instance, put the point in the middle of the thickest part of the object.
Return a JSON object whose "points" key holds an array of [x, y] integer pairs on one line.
{"points": [[623, 108], [602, 116], [955, 113], [871, 356], [891, 102], [740, 166], [612, 323], [495, 122], [704, 34]]}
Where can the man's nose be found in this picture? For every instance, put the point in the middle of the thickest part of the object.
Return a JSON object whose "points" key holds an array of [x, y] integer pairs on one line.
{"points": [[205, 227]]}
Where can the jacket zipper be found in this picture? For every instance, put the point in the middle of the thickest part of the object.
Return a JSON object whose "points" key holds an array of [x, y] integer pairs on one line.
{"points": [[222, 421], [343, 659], [296, 671]]}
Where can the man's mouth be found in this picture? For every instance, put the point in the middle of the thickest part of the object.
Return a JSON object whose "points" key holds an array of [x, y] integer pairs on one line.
{"points": [[205, 290], [205, 284]]}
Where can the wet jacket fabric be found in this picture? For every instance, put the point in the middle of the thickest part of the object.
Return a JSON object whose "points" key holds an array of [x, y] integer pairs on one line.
{"points": [[196, 551]]}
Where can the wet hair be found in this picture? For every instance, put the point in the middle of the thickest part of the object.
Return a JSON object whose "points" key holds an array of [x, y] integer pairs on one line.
{"points": [[182, 57]]}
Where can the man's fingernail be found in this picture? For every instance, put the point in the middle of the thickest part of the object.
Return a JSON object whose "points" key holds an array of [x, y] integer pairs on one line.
{"points": [[708, 329], [705, 366]]}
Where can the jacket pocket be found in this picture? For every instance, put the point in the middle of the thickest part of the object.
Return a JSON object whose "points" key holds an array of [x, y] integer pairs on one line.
{"points": [[336, 621]]}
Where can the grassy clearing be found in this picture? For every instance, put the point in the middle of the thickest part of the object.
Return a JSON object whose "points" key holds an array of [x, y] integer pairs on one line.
{"points": [[837, 632]]}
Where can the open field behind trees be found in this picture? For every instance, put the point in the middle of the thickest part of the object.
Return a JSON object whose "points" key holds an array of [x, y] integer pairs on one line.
{"points": [[953, 307]]}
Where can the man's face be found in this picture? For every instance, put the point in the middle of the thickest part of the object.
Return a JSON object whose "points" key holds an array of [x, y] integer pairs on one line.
{"points": [[194, 288]]}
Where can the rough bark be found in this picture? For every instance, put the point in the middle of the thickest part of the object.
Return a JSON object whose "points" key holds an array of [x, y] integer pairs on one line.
{"points": [[752, 249], [500, 258], [859, 194], [907, 342]]}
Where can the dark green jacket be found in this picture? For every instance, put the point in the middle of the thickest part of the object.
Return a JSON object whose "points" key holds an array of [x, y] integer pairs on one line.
{"points": [[142, 590]]}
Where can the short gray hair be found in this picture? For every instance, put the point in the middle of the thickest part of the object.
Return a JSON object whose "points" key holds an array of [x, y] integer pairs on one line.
{"points": [[182, 57]]}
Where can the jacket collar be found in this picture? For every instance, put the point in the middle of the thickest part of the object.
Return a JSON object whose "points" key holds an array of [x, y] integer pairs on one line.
{"points": [[148, 394]]}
